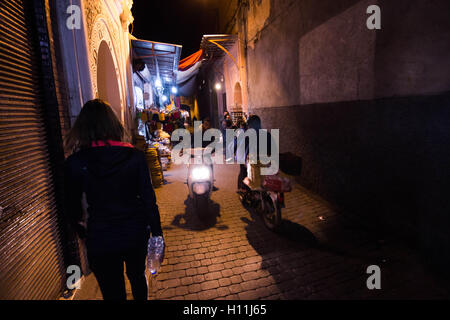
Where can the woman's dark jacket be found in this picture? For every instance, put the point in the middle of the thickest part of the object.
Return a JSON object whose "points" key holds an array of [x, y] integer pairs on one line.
{"points": [[120, 197]]}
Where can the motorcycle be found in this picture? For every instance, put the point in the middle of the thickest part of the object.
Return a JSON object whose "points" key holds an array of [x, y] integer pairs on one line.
{"points": [[200, 181], [267, 199]]}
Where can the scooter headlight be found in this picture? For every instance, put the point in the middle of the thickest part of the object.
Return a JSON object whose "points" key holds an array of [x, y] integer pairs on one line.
{"points": [[201, 173]]}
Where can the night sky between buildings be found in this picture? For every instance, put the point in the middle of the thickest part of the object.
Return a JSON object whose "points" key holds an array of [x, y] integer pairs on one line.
{"points": [[174, 21]]}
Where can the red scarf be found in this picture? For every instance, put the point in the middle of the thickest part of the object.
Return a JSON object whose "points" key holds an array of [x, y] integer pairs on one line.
{"points": [[113, 143]]}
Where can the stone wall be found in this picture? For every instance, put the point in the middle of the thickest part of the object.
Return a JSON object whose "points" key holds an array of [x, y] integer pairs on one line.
{"points": [[366, 110]]}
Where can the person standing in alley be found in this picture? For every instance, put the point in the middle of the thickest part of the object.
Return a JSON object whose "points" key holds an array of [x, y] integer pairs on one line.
{"points": [[227, 145], [121, 202], [206, 125], [241, 157]]}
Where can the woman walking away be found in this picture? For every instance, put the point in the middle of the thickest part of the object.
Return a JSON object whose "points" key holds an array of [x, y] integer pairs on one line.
{"points": [[121, 203]]}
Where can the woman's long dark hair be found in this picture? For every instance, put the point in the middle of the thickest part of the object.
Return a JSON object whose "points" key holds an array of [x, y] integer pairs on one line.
{"points": [[96, 122]]}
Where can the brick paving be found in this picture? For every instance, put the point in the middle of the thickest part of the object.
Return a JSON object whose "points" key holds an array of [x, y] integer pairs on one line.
{"points": [[319, 255]]}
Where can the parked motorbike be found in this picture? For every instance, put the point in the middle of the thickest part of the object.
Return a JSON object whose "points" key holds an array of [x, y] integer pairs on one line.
{"points": [[267, 200], [200, 181]]}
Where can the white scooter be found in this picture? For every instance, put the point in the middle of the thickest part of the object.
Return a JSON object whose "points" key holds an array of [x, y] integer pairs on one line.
{"points": [[200, 181]]}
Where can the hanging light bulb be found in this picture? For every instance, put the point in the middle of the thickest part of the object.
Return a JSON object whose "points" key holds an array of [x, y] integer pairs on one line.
{"points": [[218, 86]]}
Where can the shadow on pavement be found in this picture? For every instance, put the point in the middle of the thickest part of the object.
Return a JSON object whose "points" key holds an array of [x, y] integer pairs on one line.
{"points": [[300, 262], [298, 233], [199, 219], [302, 237]]}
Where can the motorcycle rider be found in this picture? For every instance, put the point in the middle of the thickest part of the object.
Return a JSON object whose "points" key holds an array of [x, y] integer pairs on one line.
{"points": [[253, 122]]}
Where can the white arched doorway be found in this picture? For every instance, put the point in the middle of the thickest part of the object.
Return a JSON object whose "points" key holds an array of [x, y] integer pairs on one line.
{"points": [[236, 111], [107, 82], [238, 96]]}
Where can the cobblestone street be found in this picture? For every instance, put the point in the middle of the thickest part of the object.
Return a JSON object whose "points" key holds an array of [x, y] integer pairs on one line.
{"points": [[320, 254]]}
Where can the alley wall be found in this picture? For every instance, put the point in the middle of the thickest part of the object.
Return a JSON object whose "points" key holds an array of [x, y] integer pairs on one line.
{"points": [[366, 110]]}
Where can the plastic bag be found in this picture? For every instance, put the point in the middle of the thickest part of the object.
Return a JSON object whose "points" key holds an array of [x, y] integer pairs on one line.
{"points": [[277, 183]]}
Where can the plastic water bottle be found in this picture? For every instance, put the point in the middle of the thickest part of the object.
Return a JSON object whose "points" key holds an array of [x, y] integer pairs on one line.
{"points": [[155, 254]]}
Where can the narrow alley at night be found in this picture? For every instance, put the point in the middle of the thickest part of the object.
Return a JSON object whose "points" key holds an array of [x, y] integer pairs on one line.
{"points": [[247, 150], [320, 254]]}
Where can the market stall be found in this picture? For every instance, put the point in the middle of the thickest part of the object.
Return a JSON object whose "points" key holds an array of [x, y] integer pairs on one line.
{"points": [[155, 127]]}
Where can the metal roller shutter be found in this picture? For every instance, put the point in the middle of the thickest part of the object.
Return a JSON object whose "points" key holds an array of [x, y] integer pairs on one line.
{"points": [[31, 262]]}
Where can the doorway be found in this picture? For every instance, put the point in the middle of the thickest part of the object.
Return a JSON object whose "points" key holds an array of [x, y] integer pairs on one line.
{"points": [[107, 82]]}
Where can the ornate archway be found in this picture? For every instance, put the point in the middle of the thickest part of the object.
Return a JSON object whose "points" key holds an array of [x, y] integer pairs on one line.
{"points": [[104, 66], [107, 85]]}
